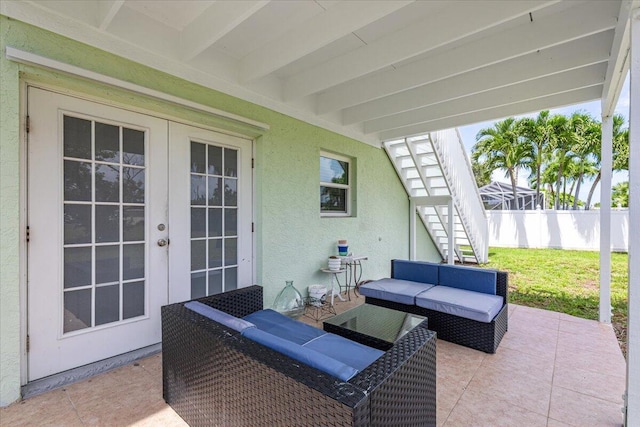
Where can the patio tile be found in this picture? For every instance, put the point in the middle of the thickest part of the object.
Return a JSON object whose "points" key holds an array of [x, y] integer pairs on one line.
{"points": [[577, 409], [592, 383], [448, 395], [531, 320], [476, 408], [518, 388], [591, 360], [457, 363], [542, 345], [517, 361], [49, 409], [555, 423], [589, 342]]}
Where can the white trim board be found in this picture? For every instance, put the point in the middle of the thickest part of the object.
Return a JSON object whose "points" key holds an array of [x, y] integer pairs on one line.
{"points": [[29, 58]]}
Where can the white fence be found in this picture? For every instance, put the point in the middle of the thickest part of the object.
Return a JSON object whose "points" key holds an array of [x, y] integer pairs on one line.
{"points": [[556, 229]]}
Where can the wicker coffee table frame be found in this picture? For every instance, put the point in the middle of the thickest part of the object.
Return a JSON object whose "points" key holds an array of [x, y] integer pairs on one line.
{"points": [[212, 375], [459, 330]]}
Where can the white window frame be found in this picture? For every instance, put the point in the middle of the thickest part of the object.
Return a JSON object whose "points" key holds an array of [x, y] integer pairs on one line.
{"points": [[347, 187]]}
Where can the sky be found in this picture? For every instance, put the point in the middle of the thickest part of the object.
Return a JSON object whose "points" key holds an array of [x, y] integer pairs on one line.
{"points": [[469, 133]]}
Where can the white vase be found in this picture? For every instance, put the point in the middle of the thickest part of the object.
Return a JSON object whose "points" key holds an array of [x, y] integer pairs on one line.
{"points": [[334, 264]]}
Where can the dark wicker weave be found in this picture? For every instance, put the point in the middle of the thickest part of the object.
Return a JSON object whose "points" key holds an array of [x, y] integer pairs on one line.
{"points": [[469, 333], [212, 375]]}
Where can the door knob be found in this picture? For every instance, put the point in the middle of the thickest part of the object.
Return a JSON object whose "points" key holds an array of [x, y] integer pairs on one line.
{"points": [[163, 242]]}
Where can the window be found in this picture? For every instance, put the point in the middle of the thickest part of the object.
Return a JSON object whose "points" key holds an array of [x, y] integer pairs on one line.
{"points": [[335, 185]]}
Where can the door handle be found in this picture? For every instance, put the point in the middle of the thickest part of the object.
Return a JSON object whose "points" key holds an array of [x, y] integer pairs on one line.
{"points": [[163, 242]]}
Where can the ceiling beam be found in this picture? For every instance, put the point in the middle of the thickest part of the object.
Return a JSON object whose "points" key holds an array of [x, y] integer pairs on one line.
{"points": [[563, 82], [514, 109], [306, 37], [544, 32], [454, 21], [587, 51], [619, 63], [215, 22], [107, 10]]}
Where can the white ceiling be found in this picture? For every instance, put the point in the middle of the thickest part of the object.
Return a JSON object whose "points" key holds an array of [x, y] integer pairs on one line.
{"points": [[372, 70]]}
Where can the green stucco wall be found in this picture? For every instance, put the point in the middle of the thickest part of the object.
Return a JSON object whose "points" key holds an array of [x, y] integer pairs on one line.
{"points": [[292, 240]]}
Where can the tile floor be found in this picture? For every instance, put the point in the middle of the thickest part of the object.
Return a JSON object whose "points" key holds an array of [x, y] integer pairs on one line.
{"points": [[550, 370]]}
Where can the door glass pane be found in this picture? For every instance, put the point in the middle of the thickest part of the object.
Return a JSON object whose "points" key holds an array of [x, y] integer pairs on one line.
{"points": [[215, 282], [77, 138], [104, 198], [198, 284], [77, 310], [133, 147], [231, 222], [215, 253], [230, 251], [198, 254], [77, 267], [133, 185], [230, 278], [215, 191], [230, 162], [215, 186], [107, 183], [198, 190], [77, 181], [107, 143], [215, 160], [133, 223], [107, 264], [198, 223], [107, 304], [230, 192], [132, 300], [77, 224], [133, 261], [215, 222], [107, 223]]}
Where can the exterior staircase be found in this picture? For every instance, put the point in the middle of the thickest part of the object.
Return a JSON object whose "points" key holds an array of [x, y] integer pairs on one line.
{"points": [[436, 173]]}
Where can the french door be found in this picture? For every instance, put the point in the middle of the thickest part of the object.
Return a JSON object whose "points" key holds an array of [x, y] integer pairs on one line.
{"points": [[126, 212]]}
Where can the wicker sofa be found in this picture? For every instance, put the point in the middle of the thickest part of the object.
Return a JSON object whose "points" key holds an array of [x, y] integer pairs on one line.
{"points": [[213, 375], [464, 305]]}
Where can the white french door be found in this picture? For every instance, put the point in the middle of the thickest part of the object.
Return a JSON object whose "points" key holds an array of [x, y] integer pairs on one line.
{"points": [[210, 200], [126, 213]]}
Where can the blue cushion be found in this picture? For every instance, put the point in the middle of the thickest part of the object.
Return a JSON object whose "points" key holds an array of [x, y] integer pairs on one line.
{"points": [[219, 316], [402, 291], [284, 327], [469, 278], [346, 351], [461, 303], [302, 354], [415, 271]]}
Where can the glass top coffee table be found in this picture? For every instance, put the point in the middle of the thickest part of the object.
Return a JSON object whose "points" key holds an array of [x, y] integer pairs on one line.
{"points": [[375, 326]]}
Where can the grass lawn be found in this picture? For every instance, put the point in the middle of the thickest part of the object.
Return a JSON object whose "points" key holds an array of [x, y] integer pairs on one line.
{"points": [[564, 281]]}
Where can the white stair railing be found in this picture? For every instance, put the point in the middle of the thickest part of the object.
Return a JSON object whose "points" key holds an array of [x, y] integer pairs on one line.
{"points": [[464, 191]]}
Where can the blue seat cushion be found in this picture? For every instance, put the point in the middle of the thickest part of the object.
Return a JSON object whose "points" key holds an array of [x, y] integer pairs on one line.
{"points": [[401, 291], [346, 351], [284, 327], [219, 316], [469, 278], [308, 356], [415, 271], [462, 303]]}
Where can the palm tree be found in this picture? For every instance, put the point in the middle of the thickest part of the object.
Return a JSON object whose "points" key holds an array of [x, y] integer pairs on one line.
{"points": [[562, 141], [620, 153], [587, 139], [502, 147], [538, 132], [620, 195]]}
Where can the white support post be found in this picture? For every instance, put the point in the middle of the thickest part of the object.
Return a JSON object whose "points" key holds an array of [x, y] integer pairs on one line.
{"points": [[451, 231], [605, 219], [412, 230], [633, 326]]}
